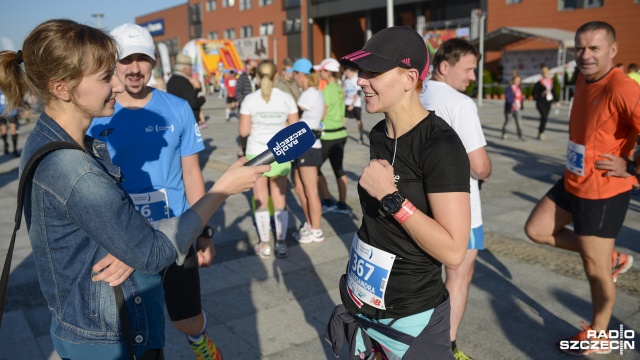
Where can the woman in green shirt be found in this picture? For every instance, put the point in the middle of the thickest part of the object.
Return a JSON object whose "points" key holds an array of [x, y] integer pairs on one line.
{"points": [[334, 135]]}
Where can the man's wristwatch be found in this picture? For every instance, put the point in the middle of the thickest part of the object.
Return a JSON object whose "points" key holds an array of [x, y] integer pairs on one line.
{"points": [[207, 232], [392, 203]]}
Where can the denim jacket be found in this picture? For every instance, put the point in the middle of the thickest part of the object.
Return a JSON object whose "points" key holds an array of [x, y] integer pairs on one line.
{"points": [[76, 212]]}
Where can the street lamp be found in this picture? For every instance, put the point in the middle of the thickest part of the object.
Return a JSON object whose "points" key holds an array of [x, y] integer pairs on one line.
{"points": [[99, 17]]}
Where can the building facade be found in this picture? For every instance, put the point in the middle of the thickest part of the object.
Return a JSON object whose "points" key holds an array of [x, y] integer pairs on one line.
{"points": [[567, 15], [279, 29]]}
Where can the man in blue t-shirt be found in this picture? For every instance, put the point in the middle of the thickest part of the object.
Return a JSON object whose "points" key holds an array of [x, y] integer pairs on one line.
{"points": [[154, 138]]}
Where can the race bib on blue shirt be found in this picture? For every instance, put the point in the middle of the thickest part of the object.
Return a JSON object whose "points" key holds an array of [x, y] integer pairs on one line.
{"points": [[152, 205]]}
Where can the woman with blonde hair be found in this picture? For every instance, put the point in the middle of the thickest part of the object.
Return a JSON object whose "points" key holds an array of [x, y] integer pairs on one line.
{"points": [[305, 172], [77, 212], [262, 114], [414, 193], [544, 96]]}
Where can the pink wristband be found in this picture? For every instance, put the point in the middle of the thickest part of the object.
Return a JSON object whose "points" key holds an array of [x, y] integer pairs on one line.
{"points": [[405, 213]]}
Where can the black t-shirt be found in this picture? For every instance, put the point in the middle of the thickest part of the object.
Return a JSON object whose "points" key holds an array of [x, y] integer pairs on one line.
{"points": [[430, 158]]}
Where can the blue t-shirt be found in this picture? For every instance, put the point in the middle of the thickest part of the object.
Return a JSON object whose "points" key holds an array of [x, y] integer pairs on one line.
{"points": [[148, 144], [3, 103]]}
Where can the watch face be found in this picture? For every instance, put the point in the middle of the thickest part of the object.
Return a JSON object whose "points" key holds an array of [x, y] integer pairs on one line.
{"points": [[390, 204]]}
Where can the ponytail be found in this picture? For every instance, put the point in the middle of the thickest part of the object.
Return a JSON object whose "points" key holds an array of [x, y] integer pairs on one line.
{"points": [[13, 80], [266, 73]]}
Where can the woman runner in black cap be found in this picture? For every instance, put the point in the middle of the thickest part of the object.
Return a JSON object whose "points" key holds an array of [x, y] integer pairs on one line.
{"points": [[416, 215]]}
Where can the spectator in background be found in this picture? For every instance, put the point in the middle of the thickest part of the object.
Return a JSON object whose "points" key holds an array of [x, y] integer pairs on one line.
{"points": [[286, 83], [633, 72], [263, 113], [246, 84], [334, 135], [353, 99], [230, 82], [8, 119], [544, 96], [306, 168], [513, 106], [182, 85]]}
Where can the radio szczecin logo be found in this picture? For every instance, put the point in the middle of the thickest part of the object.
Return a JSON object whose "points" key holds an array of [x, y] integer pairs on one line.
{"points": [[615, 340]]}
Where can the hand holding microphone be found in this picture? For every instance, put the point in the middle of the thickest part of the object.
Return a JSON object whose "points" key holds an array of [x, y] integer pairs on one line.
{"points": [[288, 144]]}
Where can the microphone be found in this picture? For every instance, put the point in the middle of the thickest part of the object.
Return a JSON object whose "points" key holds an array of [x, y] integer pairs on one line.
{"points": [[288, 144]]}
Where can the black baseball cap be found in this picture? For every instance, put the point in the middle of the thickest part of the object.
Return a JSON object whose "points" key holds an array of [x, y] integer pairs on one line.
{"points": [[397, 46]]}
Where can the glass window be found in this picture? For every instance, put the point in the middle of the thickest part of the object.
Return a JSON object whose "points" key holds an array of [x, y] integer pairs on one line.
{"points": [[245, 4], [246, 31], [211, 5], [579, 4], [266, 29], [213, 35], [228, 3], [230, 34], [265, 2], [513, 1]]}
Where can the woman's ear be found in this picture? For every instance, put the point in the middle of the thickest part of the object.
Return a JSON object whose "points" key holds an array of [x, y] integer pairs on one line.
{"points": [[60, 89], [412, 77]]}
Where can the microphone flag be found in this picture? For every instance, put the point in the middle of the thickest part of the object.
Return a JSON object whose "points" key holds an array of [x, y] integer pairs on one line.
{"points": [[288, 144]]}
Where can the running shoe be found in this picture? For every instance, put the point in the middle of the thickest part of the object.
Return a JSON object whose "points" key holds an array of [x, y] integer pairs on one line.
{"points": [[459, 355], [304, 229], [312, 236], [342, 208], [205, 349], [281, 249], [595, 343], [328, 208], [263, 251], [620, 264]]}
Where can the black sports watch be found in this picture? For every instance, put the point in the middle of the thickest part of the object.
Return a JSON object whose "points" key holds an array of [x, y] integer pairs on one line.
{"points": [[392, 203], [207, 232]]}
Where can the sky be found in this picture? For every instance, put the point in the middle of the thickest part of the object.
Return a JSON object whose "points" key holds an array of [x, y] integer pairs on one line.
{"points": [[19, 17]]}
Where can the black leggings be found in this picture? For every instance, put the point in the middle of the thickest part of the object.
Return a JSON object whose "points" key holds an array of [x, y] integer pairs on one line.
{"points": [[334, 151], [544, 108]]}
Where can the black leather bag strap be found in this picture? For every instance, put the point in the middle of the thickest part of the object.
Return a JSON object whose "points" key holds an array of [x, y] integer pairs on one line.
{"points": [[25, 180]]}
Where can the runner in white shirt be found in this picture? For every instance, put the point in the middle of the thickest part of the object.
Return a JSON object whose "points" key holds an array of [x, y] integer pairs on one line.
{"points": [[454, 64], [262, 114], [352, 99], [311, 104]]}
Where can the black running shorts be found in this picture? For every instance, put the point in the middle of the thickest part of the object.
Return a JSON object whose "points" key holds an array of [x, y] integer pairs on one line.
{"points": [[602, 218]]}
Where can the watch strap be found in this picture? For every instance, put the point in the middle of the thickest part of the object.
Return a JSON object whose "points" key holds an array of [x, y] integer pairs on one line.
{"points": [[405, 212]]}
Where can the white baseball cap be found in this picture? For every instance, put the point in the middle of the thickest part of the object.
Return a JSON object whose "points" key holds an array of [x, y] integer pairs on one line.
{"points": [[133, 39], [328, 64]]}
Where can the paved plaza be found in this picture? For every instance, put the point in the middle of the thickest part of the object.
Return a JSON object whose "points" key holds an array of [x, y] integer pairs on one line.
{"points": [[524, 297]]}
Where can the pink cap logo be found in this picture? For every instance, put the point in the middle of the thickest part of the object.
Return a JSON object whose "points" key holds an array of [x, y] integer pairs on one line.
{"points": [[406, 61]]}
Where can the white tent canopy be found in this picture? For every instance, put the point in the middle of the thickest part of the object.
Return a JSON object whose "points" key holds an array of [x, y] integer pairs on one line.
{"points": [[496, 40]]}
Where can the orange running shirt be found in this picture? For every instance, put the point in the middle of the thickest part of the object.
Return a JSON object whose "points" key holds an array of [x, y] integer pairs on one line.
{"points": [[605, 118]]}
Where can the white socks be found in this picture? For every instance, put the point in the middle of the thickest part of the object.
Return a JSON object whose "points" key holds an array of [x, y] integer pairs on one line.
{"points": [[263, 225], [281, 218]]}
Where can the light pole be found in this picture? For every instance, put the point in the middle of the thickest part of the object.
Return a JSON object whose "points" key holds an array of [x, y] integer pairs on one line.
{"points": [[99, 17]]}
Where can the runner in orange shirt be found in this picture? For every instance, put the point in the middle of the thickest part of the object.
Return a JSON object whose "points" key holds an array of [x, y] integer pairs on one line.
{"points": [[594, 192]]}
